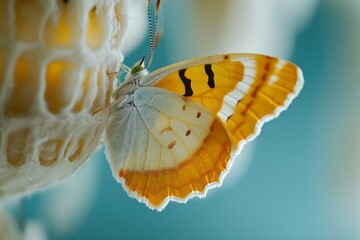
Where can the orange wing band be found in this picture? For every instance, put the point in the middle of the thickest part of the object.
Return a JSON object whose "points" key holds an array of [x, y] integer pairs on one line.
{"points": [[194, 174], [263, 98]]}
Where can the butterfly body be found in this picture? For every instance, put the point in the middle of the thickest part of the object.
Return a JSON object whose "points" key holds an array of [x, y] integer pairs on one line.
{"points": [[174, 133]]}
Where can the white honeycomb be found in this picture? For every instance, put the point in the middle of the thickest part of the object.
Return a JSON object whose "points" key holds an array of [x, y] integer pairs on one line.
{"points": [[54, 56]]}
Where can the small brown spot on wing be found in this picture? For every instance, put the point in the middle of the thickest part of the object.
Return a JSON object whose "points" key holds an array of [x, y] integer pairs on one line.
{"points": [[226, 57], [198, 115], [267, 66], [172, 144], [188, 132]]}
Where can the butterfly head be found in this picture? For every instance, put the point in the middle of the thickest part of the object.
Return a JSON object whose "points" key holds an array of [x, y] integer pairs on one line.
{"points": [[138, 68], [132, 79]]}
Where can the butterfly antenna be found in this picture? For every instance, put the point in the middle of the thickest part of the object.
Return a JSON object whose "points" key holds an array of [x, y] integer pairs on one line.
{"points": [[153, 33]]}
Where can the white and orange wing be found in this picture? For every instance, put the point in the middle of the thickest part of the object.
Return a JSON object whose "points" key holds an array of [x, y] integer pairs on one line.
{"points": [[166, 147], [191, 119]]}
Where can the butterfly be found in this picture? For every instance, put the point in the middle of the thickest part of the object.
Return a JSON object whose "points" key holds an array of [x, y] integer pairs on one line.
{"points": [[173, 134]]}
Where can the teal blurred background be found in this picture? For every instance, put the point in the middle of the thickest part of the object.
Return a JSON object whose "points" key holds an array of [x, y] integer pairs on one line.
{"points": [[300, 179]]}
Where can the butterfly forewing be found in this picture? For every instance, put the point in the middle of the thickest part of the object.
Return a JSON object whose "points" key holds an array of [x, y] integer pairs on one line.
{"points": [[243, 90]]}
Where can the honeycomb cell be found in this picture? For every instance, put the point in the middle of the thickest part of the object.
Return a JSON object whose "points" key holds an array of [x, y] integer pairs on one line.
{"points": [[78, 151], [62, 30], [49, 152], [26, 86], [16, 145], [95, 31], [60, 84], [29, 14]]}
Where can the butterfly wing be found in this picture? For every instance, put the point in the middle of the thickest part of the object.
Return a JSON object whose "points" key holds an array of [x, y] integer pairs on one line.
{"points": [[166, 147], [243, 90], [192, 119]]}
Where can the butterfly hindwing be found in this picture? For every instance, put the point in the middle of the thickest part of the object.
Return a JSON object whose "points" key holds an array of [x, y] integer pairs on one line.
{"points": [[172, 148]]}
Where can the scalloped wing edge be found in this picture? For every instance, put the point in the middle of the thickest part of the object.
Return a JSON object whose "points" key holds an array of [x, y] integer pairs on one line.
{"points": [[234, 152]]}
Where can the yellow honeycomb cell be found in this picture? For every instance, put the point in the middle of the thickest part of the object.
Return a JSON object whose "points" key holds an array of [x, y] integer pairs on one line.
{"points": [[16, 145], [54, 56], [62, 29], [29, 14], [94, 32], [26, 82], [49, 152], [59, 84]]}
